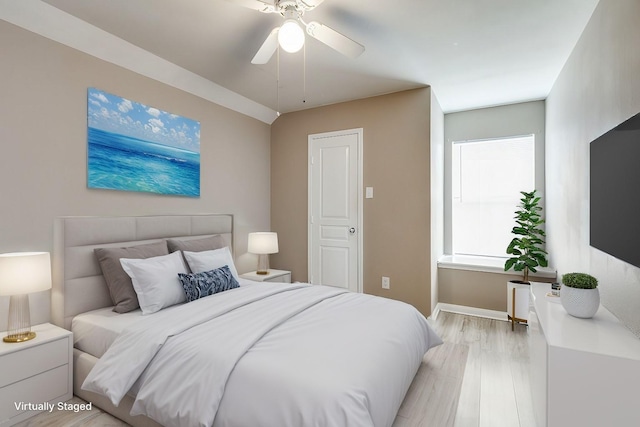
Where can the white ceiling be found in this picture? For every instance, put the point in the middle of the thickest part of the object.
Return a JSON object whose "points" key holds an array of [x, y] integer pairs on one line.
{"points": [[474, 53]]}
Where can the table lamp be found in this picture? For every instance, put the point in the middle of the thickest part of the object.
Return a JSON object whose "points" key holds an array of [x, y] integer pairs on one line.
{"points": [[22, 273], [263, 243]]}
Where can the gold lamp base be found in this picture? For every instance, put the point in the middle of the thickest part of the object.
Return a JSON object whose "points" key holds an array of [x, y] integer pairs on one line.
{"points": [[263, 264], [19, 329], [20, 337]]}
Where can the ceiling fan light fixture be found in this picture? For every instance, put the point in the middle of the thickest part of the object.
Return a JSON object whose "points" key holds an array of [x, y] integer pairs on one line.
{"points": [[291, 36]]}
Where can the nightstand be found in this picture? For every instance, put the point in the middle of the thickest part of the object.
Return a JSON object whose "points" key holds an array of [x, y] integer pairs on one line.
{"points": [[34, 373], [281, 276]]}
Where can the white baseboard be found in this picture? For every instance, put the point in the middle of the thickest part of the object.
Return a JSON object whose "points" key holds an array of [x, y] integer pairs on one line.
{"points": [[469, 311]]}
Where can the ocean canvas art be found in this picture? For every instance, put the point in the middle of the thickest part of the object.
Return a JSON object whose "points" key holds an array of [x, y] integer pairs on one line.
{"points": [[135, 147]]}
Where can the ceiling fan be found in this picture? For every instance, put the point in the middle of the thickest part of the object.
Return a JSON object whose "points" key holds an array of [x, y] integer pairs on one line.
{"points": [[290, 36]]}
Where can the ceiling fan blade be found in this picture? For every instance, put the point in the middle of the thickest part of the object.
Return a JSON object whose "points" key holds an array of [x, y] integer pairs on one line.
{"points": [[267, 49], [310, 4], [334, 39], [259, 5]]}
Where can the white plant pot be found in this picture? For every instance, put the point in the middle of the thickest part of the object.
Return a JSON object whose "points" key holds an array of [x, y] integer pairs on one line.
{"points": [[518, 307], [583, 303]]}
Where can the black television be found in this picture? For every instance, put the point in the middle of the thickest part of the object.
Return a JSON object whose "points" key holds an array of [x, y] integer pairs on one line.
{"points": [[615, 192]]}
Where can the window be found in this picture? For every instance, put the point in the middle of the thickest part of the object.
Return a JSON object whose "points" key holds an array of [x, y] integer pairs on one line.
{"points": [[487, 177]]}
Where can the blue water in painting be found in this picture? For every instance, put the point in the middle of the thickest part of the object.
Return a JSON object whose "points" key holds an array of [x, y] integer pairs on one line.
{"points": [[119, 162]]}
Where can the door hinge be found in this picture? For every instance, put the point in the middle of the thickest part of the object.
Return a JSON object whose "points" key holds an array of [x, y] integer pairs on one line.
{"points": [[312, 160]]}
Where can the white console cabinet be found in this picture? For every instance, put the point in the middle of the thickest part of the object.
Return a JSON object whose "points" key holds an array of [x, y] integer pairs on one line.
{"points": [[584, 372]]}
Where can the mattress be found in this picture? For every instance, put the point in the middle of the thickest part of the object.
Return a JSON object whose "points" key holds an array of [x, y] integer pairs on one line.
{"points": [[95, 331]]}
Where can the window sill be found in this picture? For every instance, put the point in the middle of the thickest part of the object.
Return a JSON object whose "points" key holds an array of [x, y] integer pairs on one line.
{"points": [[487, 265]]}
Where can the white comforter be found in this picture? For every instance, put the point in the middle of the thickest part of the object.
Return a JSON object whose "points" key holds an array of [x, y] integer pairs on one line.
{"points": [[269, 355]]}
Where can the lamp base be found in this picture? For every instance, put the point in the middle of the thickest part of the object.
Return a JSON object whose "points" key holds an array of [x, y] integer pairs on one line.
{"points": [[20, 337], [263, 264], [19, 329]]}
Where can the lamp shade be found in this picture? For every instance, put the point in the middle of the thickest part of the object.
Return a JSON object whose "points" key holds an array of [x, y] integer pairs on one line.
{"points": [[24, 272], [263, 242]]}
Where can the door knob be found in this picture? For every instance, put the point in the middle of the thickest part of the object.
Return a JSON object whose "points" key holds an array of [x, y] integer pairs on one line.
{"points": [[352, 230]]}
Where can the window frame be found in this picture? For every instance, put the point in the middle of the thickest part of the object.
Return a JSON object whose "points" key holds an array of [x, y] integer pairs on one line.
{"points": [[452, 169], [448, 186]]}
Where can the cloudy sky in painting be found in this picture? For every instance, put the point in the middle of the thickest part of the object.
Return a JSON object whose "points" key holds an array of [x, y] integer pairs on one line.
{"points": [[114, 114]]}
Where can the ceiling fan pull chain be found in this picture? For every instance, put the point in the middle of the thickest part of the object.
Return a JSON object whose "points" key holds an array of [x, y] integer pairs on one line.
{"points": [[278, 82], [304, 73]]}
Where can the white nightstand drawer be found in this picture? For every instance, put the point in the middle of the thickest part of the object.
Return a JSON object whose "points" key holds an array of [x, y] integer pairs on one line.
{"points": [[284, 278], [35, 390], [32, 360]]}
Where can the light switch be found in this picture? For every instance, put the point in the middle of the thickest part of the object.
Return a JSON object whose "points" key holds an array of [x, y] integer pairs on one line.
{"points": [[369, 193]]}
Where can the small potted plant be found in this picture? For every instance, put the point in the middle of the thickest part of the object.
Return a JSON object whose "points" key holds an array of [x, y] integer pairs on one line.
{"points": [[579, 295], [526, 246]]}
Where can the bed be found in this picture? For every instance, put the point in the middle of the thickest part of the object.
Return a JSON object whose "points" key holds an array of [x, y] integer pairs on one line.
{"points": [[261, 354]]}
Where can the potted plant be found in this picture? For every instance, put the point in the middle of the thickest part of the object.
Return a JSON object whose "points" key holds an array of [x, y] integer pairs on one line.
{"points": [[526, 246], [527, 251], [579, 294]]}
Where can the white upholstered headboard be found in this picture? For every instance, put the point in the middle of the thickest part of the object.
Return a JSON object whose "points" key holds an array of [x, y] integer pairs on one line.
{"points": [[78, 284]]}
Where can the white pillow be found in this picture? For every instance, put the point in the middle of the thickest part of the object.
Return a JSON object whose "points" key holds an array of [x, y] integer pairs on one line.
{"points": [[155, 280], [210, 260]]}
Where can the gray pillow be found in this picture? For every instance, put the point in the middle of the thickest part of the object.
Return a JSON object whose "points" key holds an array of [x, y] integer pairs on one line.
{"points": [[196, 245], [118, 282]]}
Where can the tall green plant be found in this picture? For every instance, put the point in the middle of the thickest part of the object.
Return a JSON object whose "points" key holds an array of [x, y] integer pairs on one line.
{"points": [[526, 246]]}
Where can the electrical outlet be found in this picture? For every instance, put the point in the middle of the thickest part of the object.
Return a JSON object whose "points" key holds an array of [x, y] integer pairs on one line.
{"points": [[386, 283]]}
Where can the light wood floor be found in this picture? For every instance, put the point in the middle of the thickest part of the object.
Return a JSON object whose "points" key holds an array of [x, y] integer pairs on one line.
{"points": [[479, 377], [496, 389]]}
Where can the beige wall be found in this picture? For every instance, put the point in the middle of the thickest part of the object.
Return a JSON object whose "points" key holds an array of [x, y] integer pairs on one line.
{"points": [[43, 135], [598, 88], [477, 289], [397, 235]]}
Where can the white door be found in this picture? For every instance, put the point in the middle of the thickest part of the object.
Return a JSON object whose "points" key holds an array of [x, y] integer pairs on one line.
{"points": [[335, 209]]}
